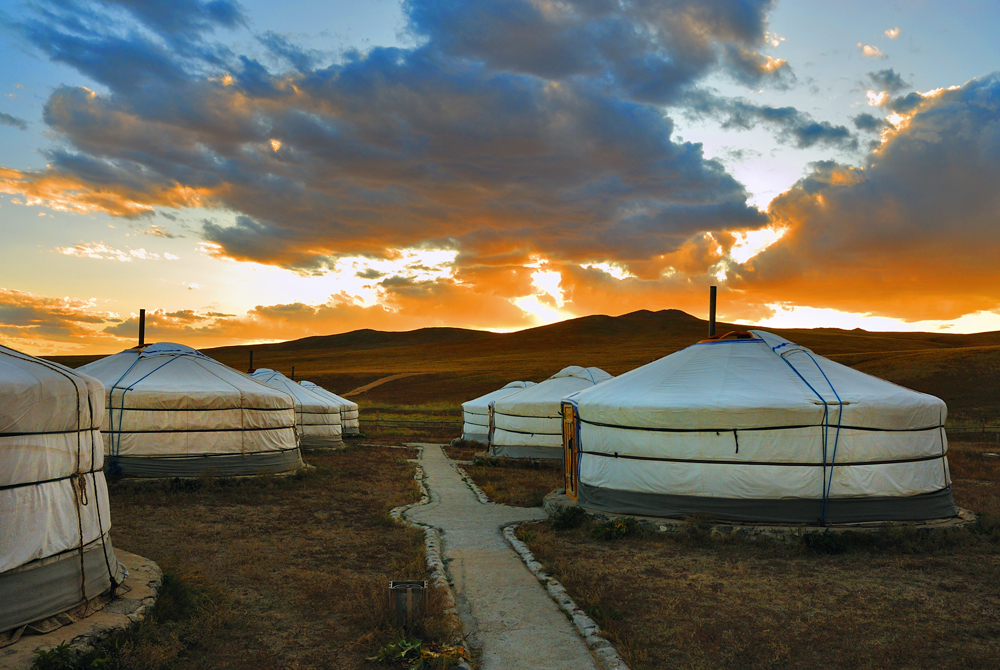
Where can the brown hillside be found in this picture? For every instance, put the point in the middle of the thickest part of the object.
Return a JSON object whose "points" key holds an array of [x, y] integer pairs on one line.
{"points": [[450, 365]]}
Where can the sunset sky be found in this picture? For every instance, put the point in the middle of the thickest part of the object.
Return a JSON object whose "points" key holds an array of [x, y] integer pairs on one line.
{"points": [[256, 171]]}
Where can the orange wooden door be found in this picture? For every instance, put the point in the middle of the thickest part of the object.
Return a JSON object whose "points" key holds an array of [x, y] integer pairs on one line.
{"points": [[570, 455]]}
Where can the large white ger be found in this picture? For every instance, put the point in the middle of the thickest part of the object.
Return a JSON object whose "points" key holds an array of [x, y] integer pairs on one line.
{"points": [[349, 415], [55, 551], [757, 428], [528, 424], [174, 412], [476, 412], [317, 419]]}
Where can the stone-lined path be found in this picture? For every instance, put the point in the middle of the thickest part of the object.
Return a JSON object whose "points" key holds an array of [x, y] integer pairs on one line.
{"points": [[507, 614]]}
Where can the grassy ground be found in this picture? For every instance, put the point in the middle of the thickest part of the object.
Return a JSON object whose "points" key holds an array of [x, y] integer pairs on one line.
{"points": [[426, 422], [517, 482], [900, 600], [283, 572], [464, 450]]}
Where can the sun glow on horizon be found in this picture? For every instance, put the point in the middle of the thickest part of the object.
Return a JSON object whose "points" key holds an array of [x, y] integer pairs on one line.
{"points": [[790, 316]]}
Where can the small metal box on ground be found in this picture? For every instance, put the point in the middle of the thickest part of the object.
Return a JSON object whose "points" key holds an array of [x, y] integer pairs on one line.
{"points": [[408, 601]]}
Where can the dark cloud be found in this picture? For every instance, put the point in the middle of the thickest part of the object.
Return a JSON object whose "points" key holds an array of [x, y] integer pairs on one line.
{"points": [[868, 123], [16, 122], [185, 18], [906, 104], [110, 40], [652, 50], [370, 273], [279, 46], [397, 148], [888, 80], [791, 126], [754, 69]]}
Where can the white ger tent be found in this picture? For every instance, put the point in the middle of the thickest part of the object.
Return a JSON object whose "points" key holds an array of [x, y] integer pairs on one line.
{"points": [[349, 420], [757, 428], [55, 551], [528, 424], [174, 412], [317, 419], [476, 412]]}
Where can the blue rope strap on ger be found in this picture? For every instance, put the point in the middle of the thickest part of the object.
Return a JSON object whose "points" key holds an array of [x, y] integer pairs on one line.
{"points": [[117, 443], [827, 483], [836, 435]]}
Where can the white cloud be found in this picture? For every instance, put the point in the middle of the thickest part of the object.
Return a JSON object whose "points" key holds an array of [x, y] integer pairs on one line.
{"points": [[892, 33], [877, 99], [102, 252], [144, 255], [870, 51]]}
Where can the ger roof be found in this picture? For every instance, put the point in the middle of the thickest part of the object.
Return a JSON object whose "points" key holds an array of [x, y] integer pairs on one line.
{"points": [[482, 403], [760, 381], [175, 376], [544, 398]]}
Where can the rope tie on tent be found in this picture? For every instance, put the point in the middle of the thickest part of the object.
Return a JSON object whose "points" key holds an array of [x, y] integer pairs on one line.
{"points": [[117, 443], [79, 484], [836, 435], [78, 479], [827, 483]]}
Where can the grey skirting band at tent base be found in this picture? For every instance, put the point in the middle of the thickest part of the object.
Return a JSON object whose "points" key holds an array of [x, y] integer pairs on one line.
{"points": [[515, 451], [227, 465], [50, 586], [321, 442], [936, 505], [477, 437]]}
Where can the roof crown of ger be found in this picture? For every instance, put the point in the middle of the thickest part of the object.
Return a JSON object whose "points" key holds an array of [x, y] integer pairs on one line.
{"points": [[165, 349]]}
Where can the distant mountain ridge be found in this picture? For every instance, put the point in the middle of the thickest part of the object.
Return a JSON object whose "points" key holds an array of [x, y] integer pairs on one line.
{"points": [[366, 338]]}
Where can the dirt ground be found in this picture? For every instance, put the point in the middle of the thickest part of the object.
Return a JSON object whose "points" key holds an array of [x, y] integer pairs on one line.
{"points": [[290, 572], [899, 600]]}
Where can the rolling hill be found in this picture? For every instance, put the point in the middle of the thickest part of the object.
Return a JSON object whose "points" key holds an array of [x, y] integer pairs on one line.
{"points": [[445, 366]]}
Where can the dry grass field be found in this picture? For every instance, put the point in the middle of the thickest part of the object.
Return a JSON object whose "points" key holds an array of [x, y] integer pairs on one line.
{"points": [[274, 572], [519, 483], [897, 600]]}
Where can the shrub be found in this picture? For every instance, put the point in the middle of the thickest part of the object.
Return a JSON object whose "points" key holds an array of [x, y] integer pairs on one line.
{"points": [[568, 518], [616, 529]]}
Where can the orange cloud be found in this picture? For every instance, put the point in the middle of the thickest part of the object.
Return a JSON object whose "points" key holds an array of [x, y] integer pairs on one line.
{"points": [[68, 193]]}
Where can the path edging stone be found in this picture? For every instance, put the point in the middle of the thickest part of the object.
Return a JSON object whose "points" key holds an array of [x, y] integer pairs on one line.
{"points": [[602, 649], [439, 578], [480, 496]]}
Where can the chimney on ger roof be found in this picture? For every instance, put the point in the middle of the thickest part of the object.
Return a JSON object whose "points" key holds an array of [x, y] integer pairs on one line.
{"points": [[142, 328], [711, 311]]}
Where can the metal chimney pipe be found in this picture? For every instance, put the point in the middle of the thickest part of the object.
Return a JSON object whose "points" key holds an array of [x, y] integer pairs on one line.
{"points": [[711, 311], [250, 370], [293, 373], [142, 327]]}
